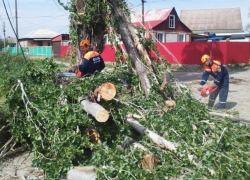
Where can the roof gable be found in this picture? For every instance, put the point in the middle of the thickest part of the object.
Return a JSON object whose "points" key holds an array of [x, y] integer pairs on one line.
{"points": [[40, 34], [151, 18], [212, 20]]}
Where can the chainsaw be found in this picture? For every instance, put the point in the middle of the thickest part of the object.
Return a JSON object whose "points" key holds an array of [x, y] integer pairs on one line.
{"points": [[206, 91]]}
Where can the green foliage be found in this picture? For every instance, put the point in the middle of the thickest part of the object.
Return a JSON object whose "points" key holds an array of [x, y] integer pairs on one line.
{"points": [[50, 120]]}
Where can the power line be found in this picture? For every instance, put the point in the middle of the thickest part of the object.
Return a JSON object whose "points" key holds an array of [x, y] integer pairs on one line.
{"points": [[14, 30], [10, 11], [58, 6], [37, 17]]}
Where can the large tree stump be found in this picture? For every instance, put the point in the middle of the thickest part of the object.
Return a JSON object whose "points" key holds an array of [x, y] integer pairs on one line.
{"points": [[106, 91], [96, 110]]}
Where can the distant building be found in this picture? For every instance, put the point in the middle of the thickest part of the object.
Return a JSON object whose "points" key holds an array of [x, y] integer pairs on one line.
{"points": [[60, 45], [222, 22], [40, 37], [164, 24]]}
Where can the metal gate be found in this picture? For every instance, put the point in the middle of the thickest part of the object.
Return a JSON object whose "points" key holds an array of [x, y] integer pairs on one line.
{"points": [[56, 49]]}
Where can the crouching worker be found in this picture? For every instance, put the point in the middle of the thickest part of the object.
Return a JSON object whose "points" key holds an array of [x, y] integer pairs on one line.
{"points": [[221, 79], [92, 62]]}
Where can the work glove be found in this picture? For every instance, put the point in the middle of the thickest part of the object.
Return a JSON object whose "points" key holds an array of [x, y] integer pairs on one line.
{"points": [[200, 88]]}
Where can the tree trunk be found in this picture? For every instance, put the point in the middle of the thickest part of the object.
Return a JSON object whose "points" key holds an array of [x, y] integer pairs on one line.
{"points": [[160, 141], [96, 110], [130, 47], [96, 30]]}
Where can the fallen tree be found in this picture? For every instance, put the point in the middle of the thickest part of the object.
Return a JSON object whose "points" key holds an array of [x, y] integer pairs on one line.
{"points": [[51, 120]]}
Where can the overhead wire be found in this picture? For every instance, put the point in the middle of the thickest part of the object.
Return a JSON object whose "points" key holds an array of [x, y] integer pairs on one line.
{"points": [[14, 30], [10, 11], [58, 6], [20, 17]]}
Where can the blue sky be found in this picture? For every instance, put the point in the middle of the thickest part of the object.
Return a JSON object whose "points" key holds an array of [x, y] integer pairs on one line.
{"points": [[33, 15], [37, 14]]}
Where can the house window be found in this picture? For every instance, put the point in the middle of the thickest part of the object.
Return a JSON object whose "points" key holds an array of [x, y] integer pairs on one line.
{"points": [[160, 37], [39, 43], [182, 37], [48, 44], [171, 21]]}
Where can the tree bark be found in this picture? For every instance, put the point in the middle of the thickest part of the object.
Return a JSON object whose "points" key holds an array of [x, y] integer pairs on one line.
{"points": [[96, 110], [96, 30], [130, 47], [229, 116], [160, 141]]}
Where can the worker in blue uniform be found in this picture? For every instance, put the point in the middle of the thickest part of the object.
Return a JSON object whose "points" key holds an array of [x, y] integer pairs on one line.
{"points": [[92, 61], [221, 79]]}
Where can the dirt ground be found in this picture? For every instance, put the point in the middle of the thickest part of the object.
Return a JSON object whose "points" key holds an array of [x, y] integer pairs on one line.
{"points": [[20, 166]]}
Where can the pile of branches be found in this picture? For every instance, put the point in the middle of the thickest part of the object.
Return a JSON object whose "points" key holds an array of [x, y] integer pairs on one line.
{"points": [[141, 139], [148, 129]]}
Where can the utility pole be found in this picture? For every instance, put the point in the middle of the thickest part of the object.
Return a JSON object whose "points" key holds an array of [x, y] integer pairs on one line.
{"points": [[143, 1], [17, 44]]}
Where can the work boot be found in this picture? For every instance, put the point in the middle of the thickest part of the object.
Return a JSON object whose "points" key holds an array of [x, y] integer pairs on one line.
{"points": [[211, 103]]}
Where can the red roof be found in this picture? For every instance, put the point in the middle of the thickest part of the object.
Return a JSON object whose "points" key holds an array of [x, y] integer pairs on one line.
{"points": [[151, 18]]}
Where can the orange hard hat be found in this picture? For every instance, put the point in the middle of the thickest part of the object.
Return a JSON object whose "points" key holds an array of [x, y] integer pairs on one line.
{"points": [[204, 58], [85, 42]]}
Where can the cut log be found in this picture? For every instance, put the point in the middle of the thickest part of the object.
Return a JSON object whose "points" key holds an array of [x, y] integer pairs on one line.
{"points": [[160, 141], [107, 91], [96, 110]]}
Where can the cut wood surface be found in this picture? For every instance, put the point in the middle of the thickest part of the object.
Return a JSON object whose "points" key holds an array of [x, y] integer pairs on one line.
{"points": [[96, 110], [170, 103], [160, 141], [107, 91]]}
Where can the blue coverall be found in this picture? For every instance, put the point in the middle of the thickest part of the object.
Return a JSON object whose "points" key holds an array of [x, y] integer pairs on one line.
{"points": [[92, 62], [221, 79]]}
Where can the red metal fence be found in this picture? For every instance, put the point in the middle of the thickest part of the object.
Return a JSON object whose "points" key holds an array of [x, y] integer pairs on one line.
{"points": [[191, 52]]}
